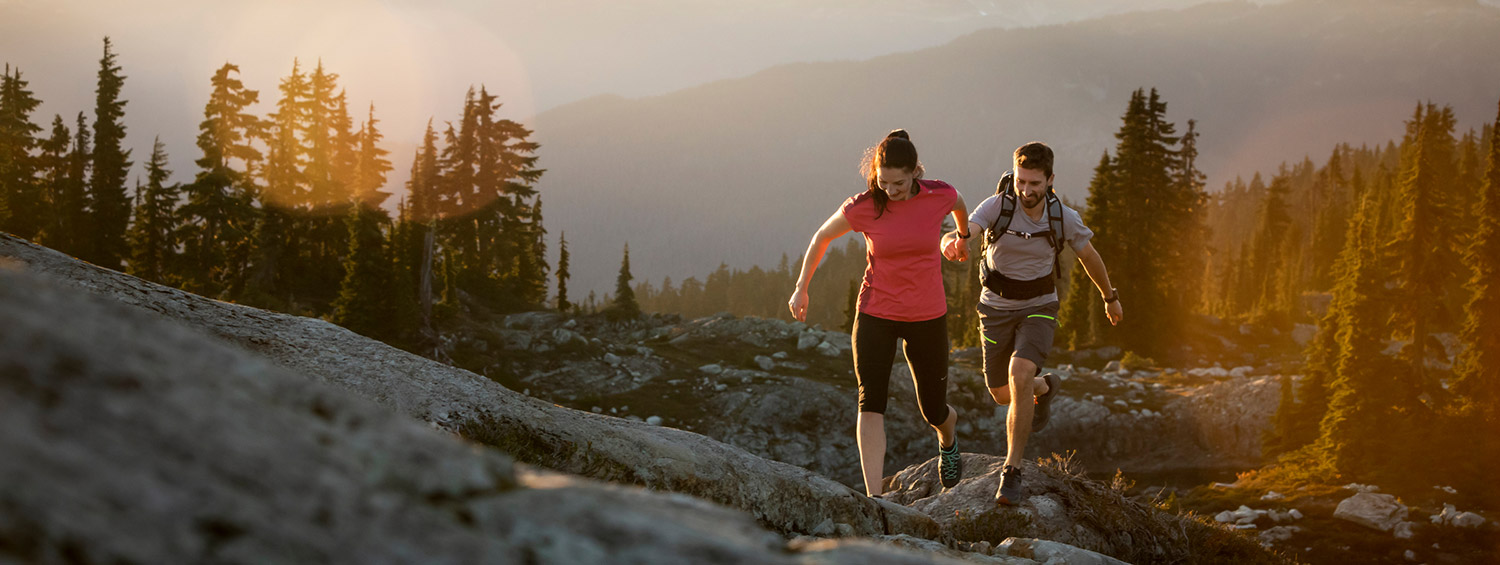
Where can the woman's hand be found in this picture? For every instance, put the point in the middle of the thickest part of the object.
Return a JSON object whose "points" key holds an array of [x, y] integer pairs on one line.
{"points": [[798, 305]]}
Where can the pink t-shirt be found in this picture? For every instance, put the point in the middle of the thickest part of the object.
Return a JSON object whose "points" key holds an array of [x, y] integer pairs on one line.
{"points": [[904, 277]]}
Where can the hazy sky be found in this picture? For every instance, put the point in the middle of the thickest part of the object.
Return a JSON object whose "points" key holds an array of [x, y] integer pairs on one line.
{"points": [[414, 60]]}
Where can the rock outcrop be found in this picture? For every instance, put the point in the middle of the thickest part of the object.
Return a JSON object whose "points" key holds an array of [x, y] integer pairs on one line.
{"points": [[148, 424], [782, 497], [133, 439]]}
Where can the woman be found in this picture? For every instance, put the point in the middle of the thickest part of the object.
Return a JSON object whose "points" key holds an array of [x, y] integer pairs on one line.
{"points": [[902, 296]]}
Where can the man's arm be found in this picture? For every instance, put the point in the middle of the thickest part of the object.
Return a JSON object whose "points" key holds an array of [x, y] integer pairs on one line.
{"points": [[1094, 266]]}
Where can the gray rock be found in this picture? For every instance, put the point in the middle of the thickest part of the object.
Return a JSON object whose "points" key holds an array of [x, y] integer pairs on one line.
{"points": [[1112, 367], [808, 340], [779, 355], [765, 363], [654, 420], [712, 369], [1053, 552], [829, 349], [1278, 534], [612, 359], [782, 497], [1372, 510]]}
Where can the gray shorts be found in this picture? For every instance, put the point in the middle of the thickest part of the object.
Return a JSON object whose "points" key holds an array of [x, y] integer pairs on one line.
{"points": [[1025, 333]]}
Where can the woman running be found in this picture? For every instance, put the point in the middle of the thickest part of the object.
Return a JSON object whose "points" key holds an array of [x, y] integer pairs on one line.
{"points": [[902, 296]]}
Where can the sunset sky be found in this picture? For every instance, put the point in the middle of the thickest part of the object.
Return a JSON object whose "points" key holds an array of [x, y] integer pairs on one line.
{"points": [[414, 60]]}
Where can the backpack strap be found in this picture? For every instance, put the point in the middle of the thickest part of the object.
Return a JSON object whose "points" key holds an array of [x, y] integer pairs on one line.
{"points": [[1054, 234]]}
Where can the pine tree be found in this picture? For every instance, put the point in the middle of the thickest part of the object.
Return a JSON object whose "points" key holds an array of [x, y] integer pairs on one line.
{"points": [[1478, 368], [1370, 401], [152, 237], [109, 209], [563, 274], [73, 235], [425, 190], [219, 218], [363, 304], [1422, 245], [280, 262], [1266, 262], [1079, 322], [22, 211], [52, 165], [372, 165], [624, 306]]}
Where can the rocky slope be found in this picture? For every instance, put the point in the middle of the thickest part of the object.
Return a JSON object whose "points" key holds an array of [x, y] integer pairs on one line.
{"points": [[147, 424]]}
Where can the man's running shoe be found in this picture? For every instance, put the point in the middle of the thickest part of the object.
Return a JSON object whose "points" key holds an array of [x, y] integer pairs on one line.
{"points": [[1010, 487], [950, 465], [1043, 410]]}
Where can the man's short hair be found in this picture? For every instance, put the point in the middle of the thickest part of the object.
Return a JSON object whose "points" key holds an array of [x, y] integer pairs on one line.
{"points": [[1035, 156]]}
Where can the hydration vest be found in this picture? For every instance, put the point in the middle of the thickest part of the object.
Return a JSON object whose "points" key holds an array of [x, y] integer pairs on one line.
{"points": [[1005, 286]]}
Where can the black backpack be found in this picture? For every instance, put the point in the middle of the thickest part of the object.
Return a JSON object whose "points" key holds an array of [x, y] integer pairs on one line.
{"points": [[1005, 286]]}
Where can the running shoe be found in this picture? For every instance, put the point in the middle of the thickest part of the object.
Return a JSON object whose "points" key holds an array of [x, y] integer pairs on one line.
{"points": [[1043, 409], [1010, 487], [950, 465]]}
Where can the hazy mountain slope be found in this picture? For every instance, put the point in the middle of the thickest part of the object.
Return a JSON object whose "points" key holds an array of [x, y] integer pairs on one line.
{"points": [[744, 170]]}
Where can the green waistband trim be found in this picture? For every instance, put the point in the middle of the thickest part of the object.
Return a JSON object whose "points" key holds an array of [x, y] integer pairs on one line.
{"points": [[1042, 316], [987, 338]]}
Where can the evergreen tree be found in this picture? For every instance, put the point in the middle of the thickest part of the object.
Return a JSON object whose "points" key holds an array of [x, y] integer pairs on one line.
{"points": [[563, 274], [1423, 243], [1080, 322], [73, 236], [372, 165], [53, 167], [1266, 262], [21, 205], [1370, 402], [426, 192], [218, 218], [109, 206], [152, 237], [281, 258], [363, 304], [624, 306], [1478, 368]]}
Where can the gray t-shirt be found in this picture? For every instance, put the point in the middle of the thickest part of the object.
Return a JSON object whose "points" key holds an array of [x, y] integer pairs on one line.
{"points": [[1020, 258]]}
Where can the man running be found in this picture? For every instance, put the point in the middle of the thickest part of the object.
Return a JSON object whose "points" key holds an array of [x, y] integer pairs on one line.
{"points": [[1018, 306]]}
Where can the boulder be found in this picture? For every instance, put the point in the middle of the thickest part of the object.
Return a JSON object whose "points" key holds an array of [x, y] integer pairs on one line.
{"points": [[1045, 551], [765, 363], [130, 438], [808, 340], [1372, 510], [781, 497]]}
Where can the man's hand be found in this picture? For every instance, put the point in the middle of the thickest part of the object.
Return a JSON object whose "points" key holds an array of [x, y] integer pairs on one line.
{"points": [[1112, 309], [955, 248]]}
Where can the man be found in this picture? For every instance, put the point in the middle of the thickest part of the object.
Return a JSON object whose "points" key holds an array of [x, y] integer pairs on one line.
{"points": [[1018, 306]]}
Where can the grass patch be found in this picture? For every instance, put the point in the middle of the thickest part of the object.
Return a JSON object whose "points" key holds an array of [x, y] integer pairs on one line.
{"points": [[1148, 534]]}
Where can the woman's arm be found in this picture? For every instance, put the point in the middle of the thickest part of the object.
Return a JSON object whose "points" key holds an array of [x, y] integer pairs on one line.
{"points": [[836, 226]]}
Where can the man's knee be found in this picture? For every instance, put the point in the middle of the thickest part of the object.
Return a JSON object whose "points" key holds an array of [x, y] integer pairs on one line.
{"points": [[1022, 372], [1001, 395]]}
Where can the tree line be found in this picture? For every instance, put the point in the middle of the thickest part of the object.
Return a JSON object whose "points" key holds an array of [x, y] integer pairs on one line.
{"points": [[1382, 245], [285, 211]]}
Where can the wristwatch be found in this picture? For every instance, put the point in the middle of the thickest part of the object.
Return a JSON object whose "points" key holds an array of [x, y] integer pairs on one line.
{"points": [[1114, 296], [962, 235]]}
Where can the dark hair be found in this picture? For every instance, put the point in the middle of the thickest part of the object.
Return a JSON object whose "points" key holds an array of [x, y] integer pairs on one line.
{"points": [[1035, 156], [896, 151]]}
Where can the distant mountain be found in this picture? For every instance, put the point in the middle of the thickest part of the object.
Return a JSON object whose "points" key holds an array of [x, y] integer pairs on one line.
{"points": [[744, 170]]}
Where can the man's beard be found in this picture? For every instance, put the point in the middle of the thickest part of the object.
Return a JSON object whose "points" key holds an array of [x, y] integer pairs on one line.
{"points": [[1030, 200]]}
